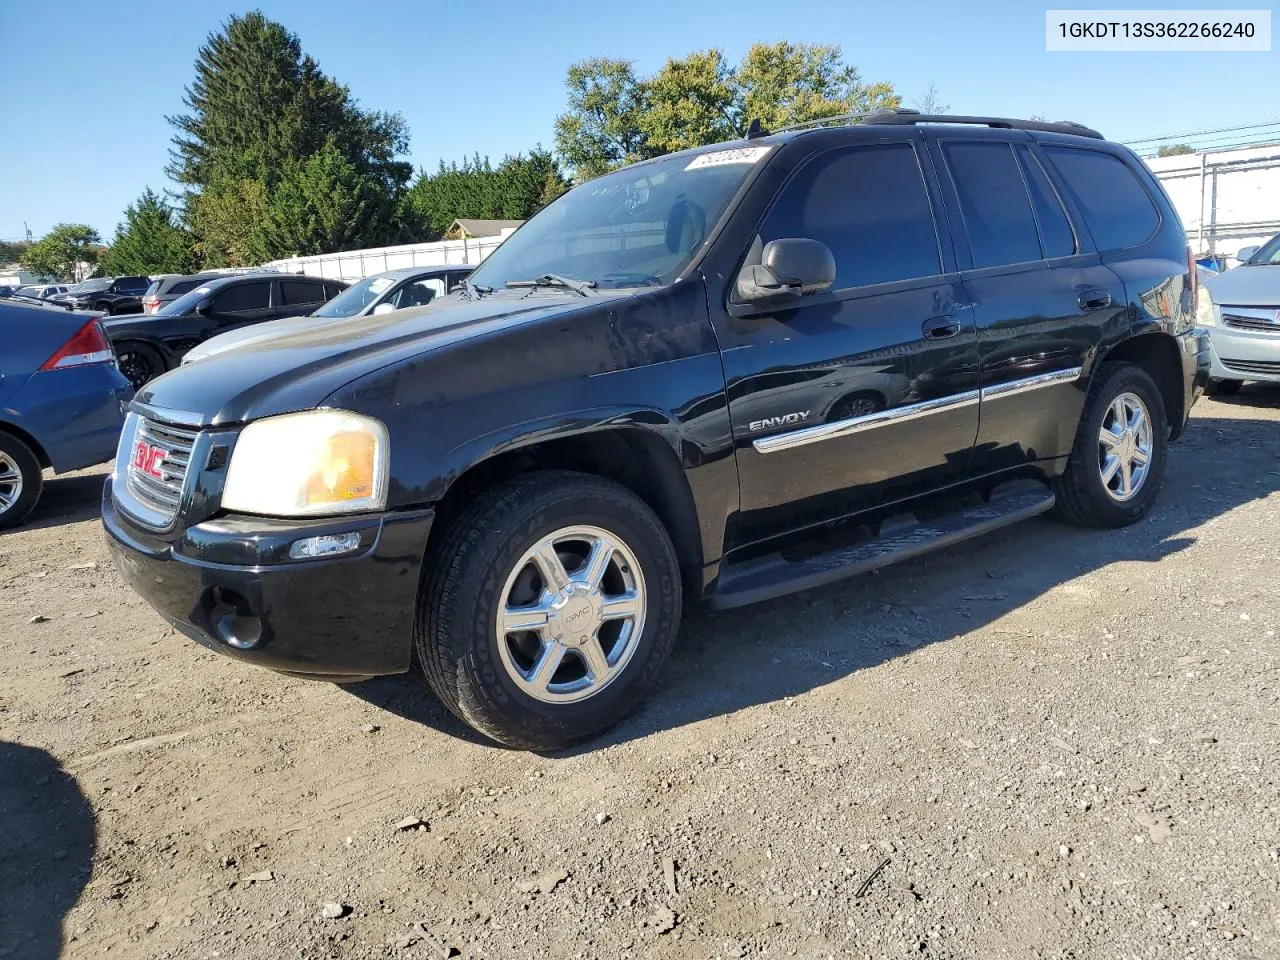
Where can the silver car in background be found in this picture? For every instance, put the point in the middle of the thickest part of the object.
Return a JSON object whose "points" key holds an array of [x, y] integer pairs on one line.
{"points": [[1241, 309], [380, 293]]}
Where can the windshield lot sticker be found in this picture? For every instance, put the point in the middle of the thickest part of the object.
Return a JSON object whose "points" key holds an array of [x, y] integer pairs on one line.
{"points": [[721, 157], [382, 283]]}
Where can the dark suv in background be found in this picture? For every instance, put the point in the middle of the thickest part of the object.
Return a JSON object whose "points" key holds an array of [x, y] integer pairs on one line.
{"points": [[722, 375], [111, 295], [148, 345]]}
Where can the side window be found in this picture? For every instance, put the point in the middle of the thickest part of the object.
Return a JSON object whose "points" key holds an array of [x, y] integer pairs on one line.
{"points": [[243, 296], [419, 293], [994, 203], [1115, 205], [1056, 235], [870, 206], [183, 286], [301, 291]]}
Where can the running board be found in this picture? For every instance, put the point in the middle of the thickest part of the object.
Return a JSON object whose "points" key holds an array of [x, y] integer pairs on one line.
{"points": [[773, 576]]}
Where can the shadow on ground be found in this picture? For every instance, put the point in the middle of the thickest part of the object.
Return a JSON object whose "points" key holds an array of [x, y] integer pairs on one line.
{"points": [[47, 840], [68, 499], [727, 661]]}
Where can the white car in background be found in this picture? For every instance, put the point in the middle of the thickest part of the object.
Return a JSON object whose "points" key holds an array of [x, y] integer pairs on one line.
{"points": [[1241, 309], [380, 293]]}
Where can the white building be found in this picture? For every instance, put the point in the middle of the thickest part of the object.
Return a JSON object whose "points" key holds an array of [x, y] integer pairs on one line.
{"points": [[1227, 199]]}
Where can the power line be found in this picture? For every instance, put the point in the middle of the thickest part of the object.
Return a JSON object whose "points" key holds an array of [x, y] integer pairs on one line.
{"points": [[1203, 133]]}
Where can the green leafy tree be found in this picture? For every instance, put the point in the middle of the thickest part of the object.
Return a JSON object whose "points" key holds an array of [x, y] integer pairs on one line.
{"points": [[615, 116], [150, 241], [324, 204], [61, 251], [11, 252], [1175, 150], [514, 190], [258, 109], [225, 218]]}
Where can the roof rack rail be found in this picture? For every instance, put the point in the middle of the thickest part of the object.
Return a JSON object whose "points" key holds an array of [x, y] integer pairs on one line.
{"points": [[904, 116]]}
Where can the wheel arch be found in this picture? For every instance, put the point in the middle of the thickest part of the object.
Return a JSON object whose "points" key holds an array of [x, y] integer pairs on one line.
{"points": [[11, 428], [1157, 353], [639, 459]]}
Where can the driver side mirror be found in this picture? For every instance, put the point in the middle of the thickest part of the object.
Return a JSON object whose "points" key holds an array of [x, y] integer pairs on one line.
{"points": [[384, 307], [1246, 253], [788, 269], [205, 307]]}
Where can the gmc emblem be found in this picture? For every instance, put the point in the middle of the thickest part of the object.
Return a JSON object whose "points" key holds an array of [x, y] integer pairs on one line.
{"points": [[148, 459]]}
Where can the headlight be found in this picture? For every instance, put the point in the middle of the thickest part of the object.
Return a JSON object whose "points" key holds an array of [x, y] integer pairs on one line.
{"points": [[1206, 310], [308, 464]]}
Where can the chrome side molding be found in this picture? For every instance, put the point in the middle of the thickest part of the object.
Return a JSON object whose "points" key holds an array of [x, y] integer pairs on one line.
{"points": [[911, 411]]}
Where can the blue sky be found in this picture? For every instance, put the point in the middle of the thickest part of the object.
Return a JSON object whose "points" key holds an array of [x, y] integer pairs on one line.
{"points": [[90, 100]]}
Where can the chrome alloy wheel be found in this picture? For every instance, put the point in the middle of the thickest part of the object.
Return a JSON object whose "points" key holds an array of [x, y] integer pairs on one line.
{"points": [[1124, 446], [10, 482], [571, 614]]}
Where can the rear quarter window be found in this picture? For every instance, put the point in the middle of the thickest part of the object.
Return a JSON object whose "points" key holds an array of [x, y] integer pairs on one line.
{"points": [[1116, 206]]}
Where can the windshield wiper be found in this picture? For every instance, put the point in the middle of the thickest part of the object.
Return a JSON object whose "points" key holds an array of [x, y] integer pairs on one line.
{"points": [[475, 290], [579, 287]]}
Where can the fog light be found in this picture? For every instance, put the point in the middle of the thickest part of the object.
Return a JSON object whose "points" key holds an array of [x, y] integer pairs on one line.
{"points": [[329, 545]]}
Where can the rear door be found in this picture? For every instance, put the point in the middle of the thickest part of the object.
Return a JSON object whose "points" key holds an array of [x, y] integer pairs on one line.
{"points": [[867, 393], [240, 305], [1042, 298], [299, 298]]}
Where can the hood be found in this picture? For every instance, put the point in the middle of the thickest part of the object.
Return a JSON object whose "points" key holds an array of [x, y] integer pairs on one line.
{"points": [[1247, 286], [296, 366], [256, 333]]}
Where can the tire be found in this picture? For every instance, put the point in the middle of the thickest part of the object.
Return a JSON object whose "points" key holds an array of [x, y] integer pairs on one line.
{"points": [[21, 480], [139, 362], [1217, 387], [477, 568], [105, 308], [1083, 498]]}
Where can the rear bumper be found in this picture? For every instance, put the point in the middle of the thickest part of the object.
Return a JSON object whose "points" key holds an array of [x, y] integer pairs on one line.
{"points": [[1196, 355], [1241, 355], [228, 585], [75, 414]]}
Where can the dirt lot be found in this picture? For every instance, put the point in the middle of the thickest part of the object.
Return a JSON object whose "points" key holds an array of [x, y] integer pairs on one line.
{"points": [[1052, 743]]}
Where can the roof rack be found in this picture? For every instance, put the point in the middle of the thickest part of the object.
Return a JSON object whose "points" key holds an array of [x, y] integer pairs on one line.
{"points": [[904, 116]]}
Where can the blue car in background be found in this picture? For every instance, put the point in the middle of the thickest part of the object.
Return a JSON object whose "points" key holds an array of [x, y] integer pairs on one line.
{"points": [[62, 399]]}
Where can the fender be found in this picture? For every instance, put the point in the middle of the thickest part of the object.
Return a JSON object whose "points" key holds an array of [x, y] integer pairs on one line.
{"points": [[119, 335]]}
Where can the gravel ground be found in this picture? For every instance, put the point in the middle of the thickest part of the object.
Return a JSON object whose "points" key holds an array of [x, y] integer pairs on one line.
{"points": [[1049, 743]]}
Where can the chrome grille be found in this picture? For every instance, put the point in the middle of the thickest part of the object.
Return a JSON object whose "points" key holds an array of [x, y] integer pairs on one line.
{"points": [[162, 494], [1264, 319]]}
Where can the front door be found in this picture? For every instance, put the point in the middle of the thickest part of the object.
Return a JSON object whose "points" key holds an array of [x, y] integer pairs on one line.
{"points": [[867, 393]]}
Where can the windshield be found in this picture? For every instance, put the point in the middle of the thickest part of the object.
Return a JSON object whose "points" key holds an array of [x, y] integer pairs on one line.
{"points": [[639, 226], [356, 297], [185, 303], [90, 286], [1269, 253]]}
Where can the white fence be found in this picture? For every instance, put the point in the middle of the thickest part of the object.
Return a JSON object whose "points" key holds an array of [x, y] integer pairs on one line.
{"points": [[355, 264], [1227, 199]]}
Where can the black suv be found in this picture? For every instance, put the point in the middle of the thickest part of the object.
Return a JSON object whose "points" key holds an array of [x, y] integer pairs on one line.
{"points": [[148, 345], [721, 376], [111, 295]]}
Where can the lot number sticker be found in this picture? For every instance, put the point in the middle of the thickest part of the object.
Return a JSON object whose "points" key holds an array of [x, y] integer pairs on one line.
{"points": [[721, 157]]}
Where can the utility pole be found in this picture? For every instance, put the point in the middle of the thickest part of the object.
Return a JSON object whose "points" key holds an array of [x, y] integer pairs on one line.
{"points": [[26, 230]]}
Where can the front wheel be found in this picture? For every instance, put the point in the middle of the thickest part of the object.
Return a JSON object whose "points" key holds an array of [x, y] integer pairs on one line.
{"points": [[1117, 462], [549, 609]]}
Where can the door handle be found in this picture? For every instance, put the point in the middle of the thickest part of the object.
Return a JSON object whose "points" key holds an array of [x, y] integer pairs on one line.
{"points": [[940, 328], [1094, 299]]}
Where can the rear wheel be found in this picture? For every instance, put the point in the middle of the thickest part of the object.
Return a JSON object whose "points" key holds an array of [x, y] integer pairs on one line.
{"points": [[549, 609], [20, 480], [1218, 387], [139, 363], [1117, 462]]}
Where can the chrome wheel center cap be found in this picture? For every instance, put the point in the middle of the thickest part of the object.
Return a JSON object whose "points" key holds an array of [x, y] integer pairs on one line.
{"points": [[574, 614]]}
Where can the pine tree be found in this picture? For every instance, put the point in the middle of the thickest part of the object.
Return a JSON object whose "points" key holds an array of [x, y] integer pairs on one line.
{"points": [[149, 241]]}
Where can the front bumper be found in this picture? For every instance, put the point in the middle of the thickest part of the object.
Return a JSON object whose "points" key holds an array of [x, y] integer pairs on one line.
{"points": [[1243, 355], [228, 585]]}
